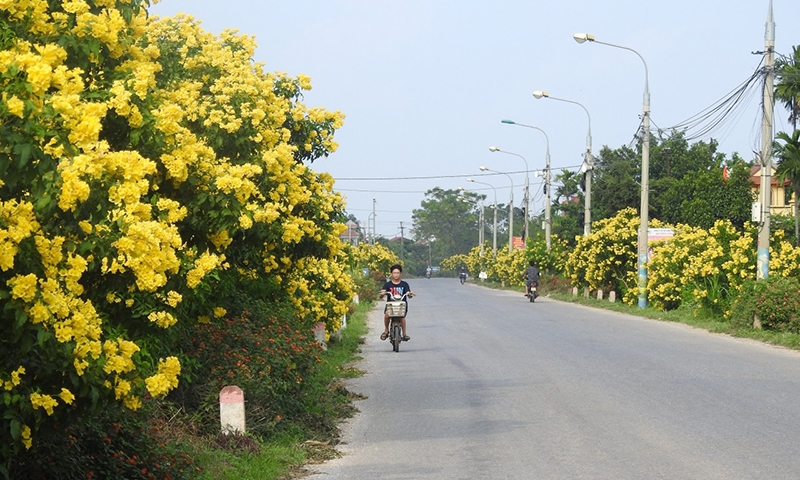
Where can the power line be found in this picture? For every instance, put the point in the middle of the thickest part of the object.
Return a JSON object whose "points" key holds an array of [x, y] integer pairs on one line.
{"points": [[708, 120], [432, 177]]}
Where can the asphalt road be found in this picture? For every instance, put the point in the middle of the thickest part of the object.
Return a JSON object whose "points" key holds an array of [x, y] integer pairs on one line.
{"points": [[491, 386]]}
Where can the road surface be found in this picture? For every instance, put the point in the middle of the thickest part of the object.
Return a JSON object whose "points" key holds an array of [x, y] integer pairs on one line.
{"points": [[493, 387]]}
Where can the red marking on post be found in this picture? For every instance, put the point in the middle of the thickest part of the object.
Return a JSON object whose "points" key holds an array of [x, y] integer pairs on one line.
{"points": [[231, 394]]}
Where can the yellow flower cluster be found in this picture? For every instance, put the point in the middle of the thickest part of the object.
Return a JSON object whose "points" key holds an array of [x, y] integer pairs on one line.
{"points": [[205, 264], [375, 257], [321, 290], [46, 402], [166, 379], [15, 378], [17, 223], [119, 356], [454, 262]]}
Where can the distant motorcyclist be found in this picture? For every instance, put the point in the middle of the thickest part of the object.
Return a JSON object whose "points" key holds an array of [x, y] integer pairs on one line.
{"points": [[531, 277], [463, 274]]}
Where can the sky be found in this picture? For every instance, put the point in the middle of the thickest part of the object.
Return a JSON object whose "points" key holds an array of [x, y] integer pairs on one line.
{"points": [[424, 84]]}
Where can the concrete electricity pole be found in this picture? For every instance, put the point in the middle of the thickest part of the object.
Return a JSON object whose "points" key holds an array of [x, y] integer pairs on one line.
{"points": [[402, 256], [765, 196]]}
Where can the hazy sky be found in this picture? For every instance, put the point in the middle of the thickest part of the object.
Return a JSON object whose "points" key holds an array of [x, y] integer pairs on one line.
{"points": [[425, 83]]}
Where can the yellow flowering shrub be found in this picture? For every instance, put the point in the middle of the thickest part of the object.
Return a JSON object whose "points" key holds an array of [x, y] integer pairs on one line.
{"points": [[375, 257], [709, 267], [144, 161], [454, 262]]}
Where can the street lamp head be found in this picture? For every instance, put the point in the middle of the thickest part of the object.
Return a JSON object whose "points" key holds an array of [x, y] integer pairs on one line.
{"points": [[494, 149], [483, 169], [539, 94], [471, 180], [510, 122], [583, 37]]}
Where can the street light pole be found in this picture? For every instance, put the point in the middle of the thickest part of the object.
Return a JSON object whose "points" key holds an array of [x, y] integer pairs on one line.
{"points": [[494, 229], [644, 213], [510, 208], [546, 185], [527, 188], [587, 164]]}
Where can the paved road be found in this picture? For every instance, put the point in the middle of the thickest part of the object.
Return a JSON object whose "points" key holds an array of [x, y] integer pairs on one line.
{"points": [[491, 386]]}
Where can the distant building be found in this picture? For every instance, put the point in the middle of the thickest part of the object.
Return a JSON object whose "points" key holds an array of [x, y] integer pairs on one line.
{"points": [[352, 233], [779, 192]]}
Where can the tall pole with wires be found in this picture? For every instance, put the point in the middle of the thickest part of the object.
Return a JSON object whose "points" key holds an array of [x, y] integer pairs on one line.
{"points": [[644, 209], [762, 258]]}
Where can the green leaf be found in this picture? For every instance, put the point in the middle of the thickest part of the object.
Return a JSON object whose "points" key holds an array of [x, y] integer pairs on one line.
{"points": [[16, 429], [43, 202], [25, 344], [23, 150], [42, 336]]}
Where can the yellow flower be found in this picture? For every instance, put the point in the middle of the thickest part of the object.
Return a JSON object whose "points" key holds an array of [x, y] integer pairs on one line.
{"points": [[174, 298], [162, 319], [26, 437], [132, 403], [66, 396], [23, 287], [43, 401], [219, 312], [15, 106], [122, 389]]}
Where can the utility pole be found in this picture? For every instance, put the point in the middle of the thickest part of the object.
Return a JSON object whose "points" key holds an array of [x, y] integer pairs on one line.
{"points": [[402, 255], [547, 219], [481, 224], [374, 222], [762, 270], [587, 204]]}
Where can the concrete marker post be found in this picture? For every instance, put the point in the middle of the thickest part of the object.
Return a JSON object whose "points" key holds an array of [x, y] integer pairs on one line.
{"points": [[231, 410]]}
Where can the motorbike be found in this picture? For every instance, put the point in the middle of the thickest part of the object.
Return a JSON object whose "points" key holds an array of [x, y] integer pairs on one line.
{"points": [[396, 308], [533, 291], [463, 277], [427, 274]]}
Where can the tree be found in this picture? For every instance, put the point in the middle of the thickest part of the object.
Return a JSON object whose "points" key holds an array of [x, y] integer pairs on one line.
{"points": [[787, 151], [568, 206], [449, 216], [615, 186], [686, 184], [787, 90]]}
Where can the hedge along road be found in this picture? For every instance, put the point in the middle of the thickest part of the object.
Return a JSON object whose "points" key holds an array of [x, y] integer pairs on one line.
{"points": [[491, 386]]}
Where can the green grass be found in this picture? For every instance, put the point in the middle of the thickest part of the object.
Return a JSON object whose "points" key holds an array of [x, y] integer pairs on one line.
{"points": [[275, 459], [282, 457]]}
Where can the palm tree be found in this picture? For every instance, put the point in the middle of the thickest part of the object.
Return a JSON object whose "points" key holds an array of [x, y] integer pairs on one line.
{"points": [[786, 150], [787, 90]]}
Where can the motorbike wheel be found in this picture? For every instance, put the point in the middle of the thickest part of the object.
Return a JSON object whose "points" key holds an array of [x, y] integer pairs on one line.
{"points": [[397, 337], [532, 296]]}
